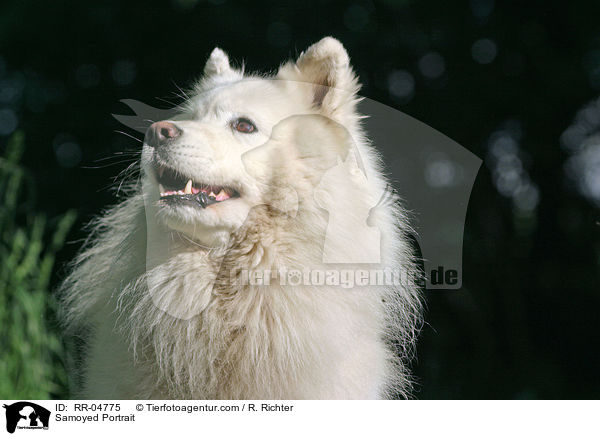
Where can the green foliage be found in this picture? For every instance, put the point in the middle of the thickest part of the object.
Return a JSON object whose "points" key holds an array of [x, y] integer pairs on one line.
{"points": [[31, 349]]}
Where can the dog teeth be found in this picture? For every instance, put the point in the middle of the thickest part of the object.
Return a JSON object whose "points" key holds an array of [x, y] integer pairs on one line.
{"points": [[161, 171], [188, 187], [206, 192]]}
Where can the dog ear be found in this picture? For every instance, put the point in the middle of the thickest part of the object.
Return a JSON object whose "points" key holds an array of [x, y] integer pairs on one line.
{"points": [[325, 64], [217, 63], [217, 70]]}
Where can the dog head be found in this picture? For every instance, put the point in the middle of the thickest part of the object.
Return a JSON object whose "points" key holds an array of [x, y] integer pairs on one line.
{"points": [[238, 138]]}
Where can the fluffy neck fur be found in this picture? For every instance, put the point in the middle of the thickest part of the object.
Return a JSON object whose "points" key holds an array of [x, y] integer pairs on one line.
{"points": [[246, 341]]}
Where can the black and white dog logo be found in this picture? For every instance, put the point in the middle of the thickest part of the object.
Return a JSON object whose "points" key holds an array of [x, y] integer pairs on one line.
{"points": [[26, 415]]}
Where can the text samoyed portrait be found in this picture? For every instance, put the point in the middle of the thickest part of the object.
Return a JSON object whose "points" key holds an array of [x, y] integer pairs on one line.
{"points": [[244, 182]]}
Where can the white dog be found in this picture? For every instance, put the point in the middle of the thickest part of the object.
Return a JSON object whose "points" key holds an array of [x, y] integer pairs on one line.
{"points": [[184, 289]]}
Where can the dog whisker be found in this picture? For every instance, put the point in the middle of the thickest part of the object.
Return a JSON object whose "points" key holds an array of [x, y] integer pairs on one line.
{"points": [[128, 135]]}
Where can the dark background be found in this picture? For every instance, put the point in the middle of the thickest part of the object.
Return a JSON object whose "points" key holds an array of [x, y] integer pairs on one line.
{"points": [[525, 324]]}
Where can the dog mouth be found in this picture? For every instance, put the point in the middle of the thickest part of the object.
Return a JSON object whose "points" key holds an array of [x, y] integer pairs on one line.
{"points": [[176, 188]]}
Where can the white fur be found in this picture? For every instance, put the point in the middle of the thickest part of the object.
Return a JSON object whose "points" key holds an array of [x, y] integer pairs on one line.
{"points": [[172, 325]]}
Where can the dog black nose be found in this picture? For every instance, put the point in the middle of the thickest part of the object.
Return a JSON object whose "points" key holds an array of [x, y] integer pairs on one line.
{"points": [[161, 133]]}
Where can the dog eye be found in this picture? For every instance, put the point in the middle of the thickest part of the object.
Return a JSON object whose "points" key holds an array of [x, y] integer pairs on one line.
{"points": [[244, 125]]}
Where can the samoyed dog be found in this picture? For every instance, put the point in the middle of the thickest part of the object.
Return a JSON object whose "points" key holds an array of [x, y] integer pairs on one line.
{"points": [[250, 260]]}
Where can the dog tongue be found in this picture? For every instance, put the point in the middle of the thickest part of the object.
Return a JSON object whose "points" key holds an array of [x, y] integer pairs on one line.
{"points": [[222, 195]]}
